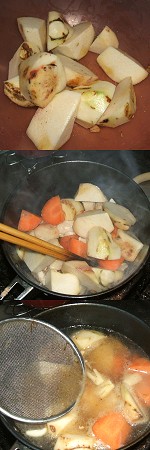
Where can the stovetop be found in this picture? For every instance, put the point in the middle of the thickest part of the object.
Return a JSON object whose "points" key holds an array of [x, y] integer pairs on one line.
{"points": [[136, 296]]}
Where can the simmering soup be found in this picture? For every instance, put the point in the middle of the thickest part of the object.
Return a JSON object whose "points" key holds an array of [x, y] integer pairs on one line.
{"points": [[114, 408]]}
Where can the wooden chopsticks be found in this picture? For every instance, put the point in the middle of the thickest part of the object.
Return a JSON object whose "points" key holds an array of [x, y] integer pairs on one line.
{"points": [[16, 237]]}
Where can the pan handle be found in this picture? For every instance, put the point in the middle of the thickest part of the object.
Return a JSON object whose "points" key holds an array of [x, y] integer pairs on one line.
{"points": [[18, 446], [17, 280]]}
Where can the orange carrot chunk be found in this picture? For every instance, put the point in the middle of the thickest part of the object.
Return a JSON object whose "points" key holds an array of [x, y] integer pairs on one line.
{"points": [[142, 390], [112, 429], [78, 247], [28, 221], [110, 264], [140, 365], [65, 240], [52, 211]]}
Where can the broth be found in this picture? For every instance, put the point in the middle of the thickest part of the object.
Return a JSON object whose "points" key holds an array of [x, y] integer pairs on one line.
{"points": [[113, 386]]}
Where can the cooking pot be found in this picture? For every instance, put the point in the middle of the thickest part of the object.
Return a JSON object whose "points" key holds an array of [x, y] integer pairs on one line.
{"points": [[96, 316], [63, 179]]}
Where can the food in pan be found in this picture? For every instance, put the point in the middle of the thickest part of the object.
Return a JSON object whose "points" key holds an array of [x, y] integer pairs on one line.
{"points": [[114, 408], [45, 72], [90, 226]]}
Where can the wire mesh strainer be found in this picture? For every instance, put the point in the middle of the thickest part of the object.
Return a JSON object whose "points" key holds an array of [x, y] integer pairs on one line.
{"points": [[41, 371]]}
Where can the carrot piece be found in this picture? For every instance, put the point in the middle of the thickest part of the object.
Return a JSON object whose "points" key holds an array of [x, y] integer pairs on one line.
{"points": [[65, 240], [28, 221], [140, 365], [52, 211], [114, 232], [142, 390], [110, 264], [112, 429], [78, 247]]}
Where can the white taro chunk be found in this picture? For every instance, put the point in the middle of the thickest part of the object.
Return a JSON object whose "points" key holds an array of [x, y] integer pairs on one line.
{"points": [[76, 73], [25, 50], [118, 65], [85, 339], [13, 92], [130, 246], [88, 192], [94, 101], [33, 29], [41, 77], [119, 213], [122, 106], [64, 283], [84, 222], [77, 46], [51, 127], [84, 273], [58, 30], [105, 39]]}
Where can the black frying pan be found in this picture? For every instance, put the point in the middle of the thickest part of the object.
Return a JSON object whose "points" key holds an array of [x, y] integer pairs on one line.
{"points": [[63, 179], [96, 316]]}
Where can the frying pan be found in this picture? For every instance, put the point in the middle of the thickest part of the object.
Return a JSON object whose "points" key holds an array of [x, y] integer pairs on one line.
{"points": [[129, 20], [63, 179], [95, 316]]}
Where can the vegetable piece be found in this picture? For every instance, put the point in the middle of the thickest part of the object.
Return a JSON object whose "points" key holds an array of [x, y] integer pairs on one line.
{"points": [[25, 50], [51, 127], [112, 429], [78, 247], [140, 365], [36, 262], [118, 65], [34, 30], [84, 222], [111, 264], [94, 101], [71, 442], [46, 232], [76, 205], [76, 73], [65, 228], [56, 427], [68, 209], [98, 243], [107, 277], [84, 273], [28, 221], [52, 211], [142, 390], [105, 39], [65, 241], [36, 433], [85, 339], [130, 247], [13, 92], [132, 409], [122, 106], [64, 283], [41, 77], [58, 30], [77, 46], [88, 192], [105, 388]]}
